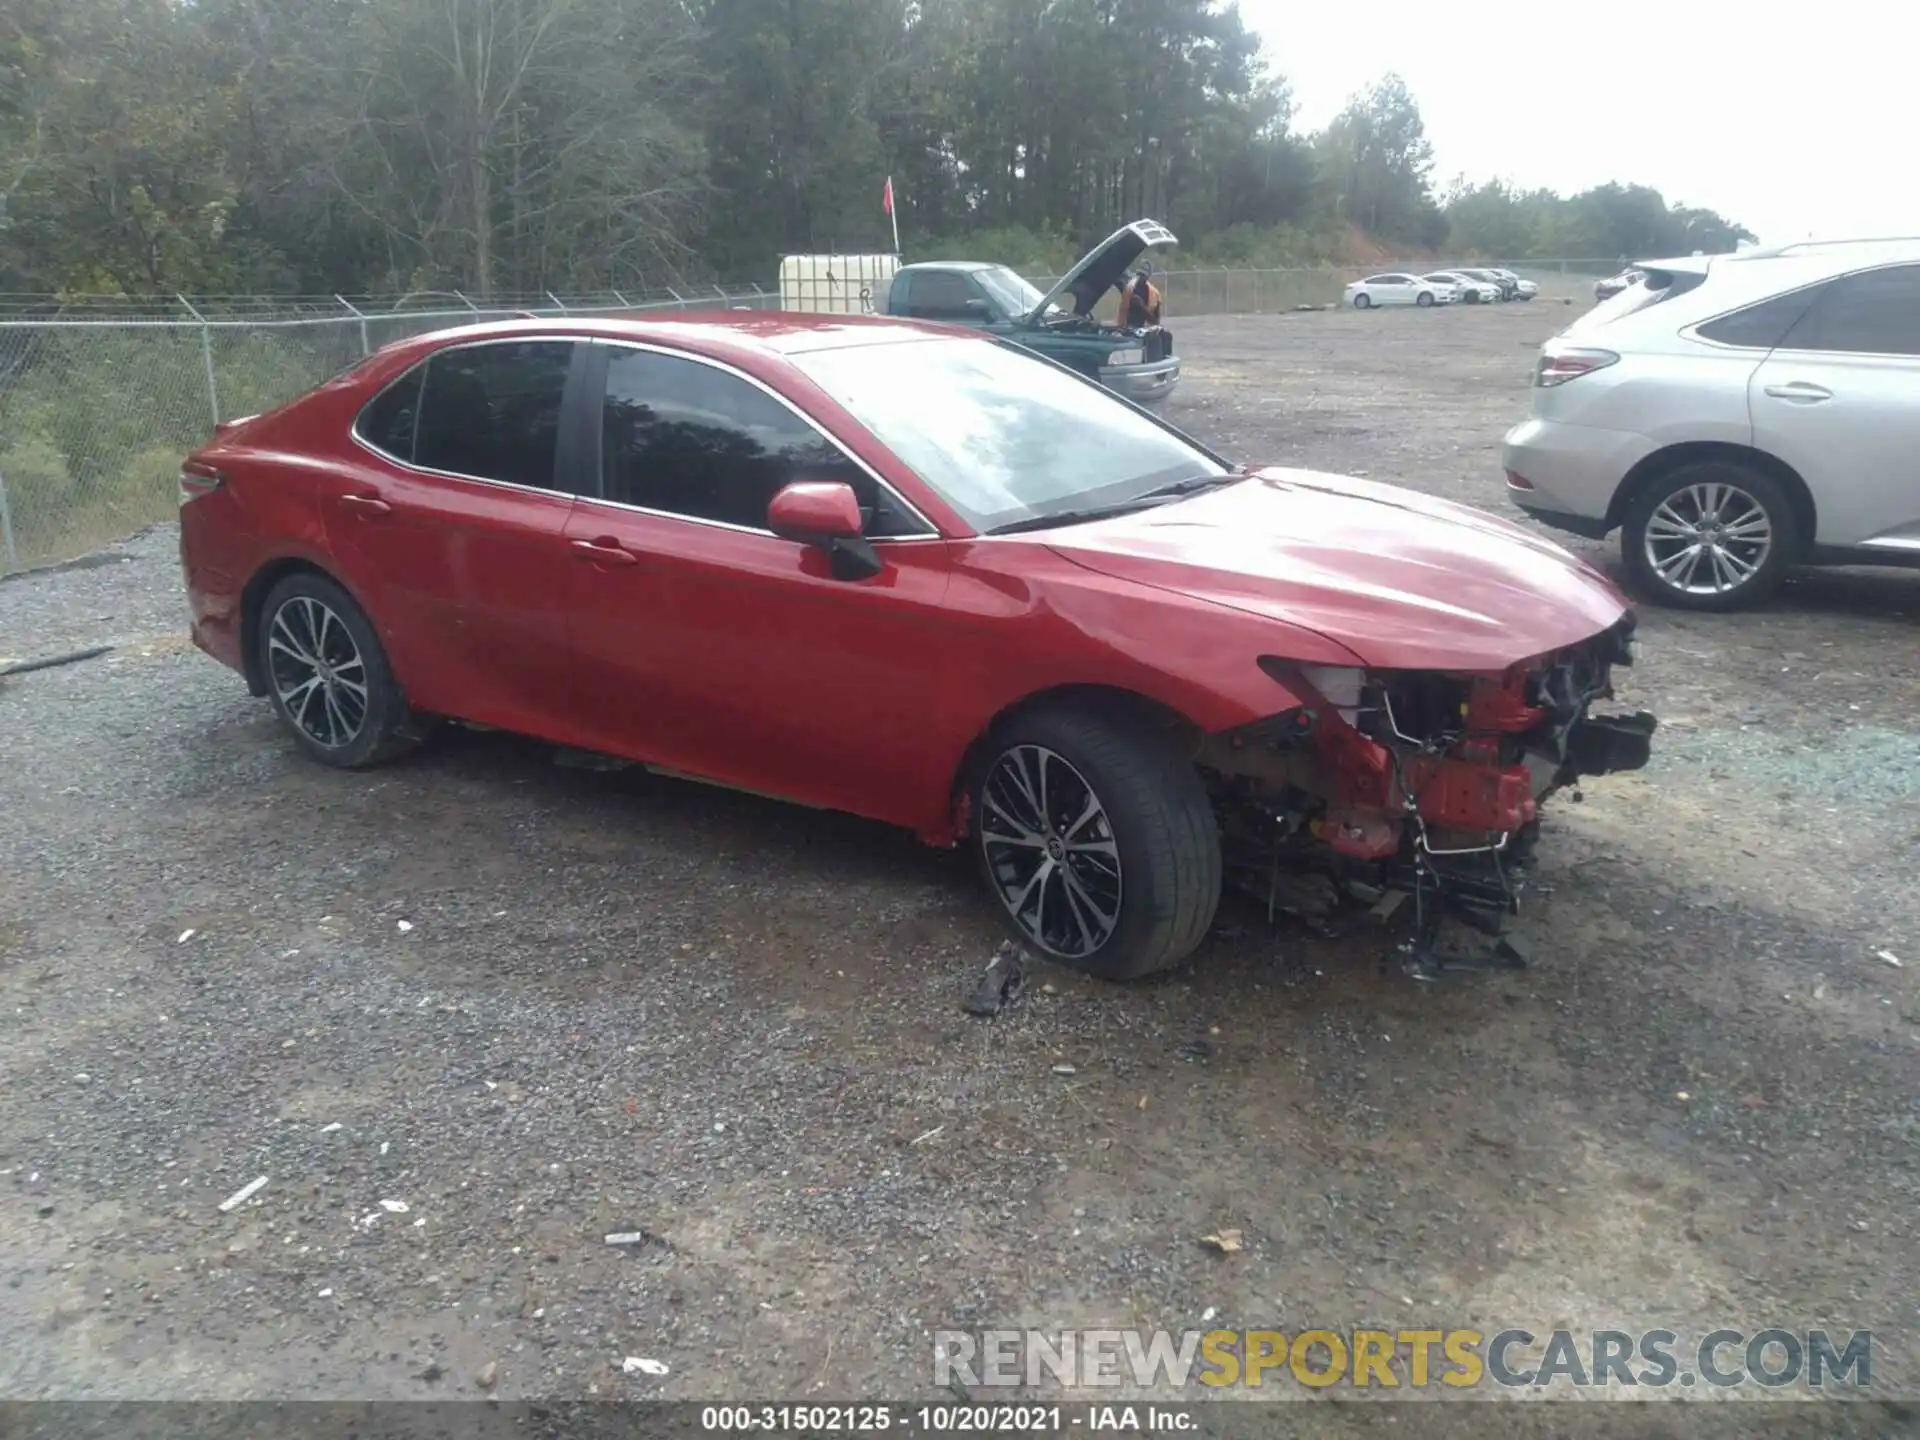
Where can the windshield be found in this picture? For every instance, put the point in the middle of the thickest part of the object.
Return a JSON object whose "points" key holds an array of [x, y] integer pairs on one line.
{"points": [[1012, 292], [1001, 436]]}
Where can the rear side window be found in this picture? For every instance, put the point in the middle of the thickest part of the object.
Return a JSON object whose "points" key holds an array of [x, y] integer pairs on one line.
{"points": [[387, 421], [1762, 326], [493, 411], [1876, 312]]}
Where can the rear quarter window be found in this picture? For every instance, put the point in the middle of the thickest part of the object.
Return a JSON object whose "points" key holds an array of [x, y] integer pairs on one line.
{"points": [[1762, 326]]}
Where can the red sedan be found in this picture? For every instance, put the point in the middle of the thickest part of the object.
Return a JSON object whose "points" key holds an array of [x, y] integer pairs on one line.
{"points": [[920, 576]]}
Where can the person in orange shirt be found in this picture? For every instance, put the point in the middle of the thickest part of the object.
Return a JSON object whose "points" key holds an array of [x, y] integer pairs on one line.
{"points": [[1139, 300]]}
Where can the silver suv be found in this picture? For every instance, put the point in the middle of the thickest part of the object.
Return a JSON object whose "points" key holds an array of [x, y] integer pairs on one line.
{"points": [[1735, 415]]}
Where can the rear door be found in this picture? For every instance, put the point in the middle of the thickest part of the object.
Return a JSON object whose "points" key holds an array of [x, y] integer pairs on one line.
{"points": [[1839, 401], [710, 645], [451, 528]]}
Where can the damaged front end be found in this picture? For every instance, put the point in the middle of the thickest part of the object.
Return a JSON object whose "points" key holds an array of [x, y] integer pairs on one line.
{"points": [[1421, 784]]}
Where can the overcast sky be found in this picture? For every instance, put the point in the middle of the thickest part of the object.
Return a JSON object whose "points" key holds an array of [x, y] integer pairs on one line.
{"points": [[1789, 119]]}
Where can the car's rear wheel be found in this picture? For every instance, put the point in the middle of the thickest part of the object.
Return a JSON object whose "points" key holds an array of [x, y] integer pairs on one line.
{"points": [[1424, 299], [1711, 535], [328, 676], [1097, 841], [1362, 301]]}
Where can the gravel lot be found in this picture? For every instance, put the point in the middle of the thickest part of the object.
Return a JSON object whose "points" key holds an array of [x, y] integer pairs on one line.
{"points": [[538, 1004]]}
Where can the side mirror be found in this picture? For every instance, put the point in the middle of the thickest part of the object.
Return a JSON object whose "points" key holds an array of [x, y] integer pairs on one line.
{"points": [[825, 514]]}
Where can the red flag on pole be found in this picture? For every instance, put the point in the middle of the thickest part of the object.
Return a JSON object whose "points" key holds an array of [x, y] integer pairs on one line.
{"points": [[886, 197]]}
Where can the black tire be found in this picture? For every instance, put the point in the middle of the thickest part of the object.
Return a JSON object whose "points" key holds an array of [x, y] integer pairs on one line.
{"points": [[291, 620], [1363, 301], [1154, 816], [1423, 299], [1678, 493]]}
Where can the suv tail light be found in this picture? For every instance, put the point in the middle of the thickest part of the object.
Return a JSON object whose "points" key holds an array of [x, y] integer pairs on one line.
{"points": [[1561, 363], [198, 478]]}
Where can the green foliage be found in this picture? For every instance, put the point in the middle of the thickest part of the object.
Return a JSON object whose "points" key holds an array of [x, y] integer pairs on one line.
{"points": [[149, 147]]}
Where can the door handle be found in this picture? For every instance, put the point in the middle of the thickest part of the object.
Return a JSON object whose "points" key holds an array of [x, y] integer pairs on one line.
{"points": [[366, 504], [603, 552], [1801, 391]]}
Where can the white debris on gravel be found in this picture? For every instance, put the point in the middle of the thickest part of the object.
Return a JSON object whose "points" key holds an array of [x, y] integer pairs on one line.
{"points": [[245, 1193], [395, 1207], [638, 1365], [1891, 959]]}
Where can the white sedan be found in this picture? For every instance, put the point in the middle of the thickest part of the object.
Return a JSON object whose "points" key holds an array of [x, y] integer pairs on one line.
{"points": [[1397, 289], [1469, 290]]}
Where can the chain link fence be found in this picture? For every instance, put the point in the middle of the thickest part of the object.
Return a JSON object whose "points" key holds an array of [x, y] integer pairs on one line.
{"points": [[99, 401]]}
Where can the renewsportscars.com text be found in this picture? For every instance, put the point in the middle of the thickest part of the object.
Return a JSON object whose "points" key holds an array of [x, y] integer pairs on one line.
{"points": [[1458, 1359]]}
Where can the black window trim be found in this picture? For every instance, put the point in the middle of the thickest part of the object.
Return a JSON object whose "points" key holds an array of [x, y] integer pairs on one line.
{"points": [[931, 531], [1691, 332], [568, 405]]}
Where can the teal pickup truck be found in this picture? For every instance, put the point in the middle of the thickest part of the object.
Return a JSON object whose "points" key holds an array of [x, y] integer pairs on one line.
{"points": [[1136, 362]]}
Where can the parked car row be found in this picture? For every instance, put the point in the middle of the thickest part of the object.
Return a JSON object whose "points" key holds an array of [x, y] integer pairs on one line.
{"points": [[1475, 286], [1734, 416]]}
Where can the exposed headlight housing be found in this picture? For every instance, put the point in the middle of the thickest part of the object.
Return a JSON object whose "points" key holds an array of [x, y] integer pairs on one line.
{"points": [[1126, 357]]}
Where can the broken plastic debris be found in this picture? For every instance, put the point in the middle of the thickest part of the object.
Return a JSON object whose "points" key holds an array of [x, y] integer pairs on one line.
{"points": [[395, 1207], [1227, 1242], [383, 1147], [404, 925], [1208, 1314], [185, 935], [327, 1294], [628, 1237], [1682, 1095], [1891, 959], [329, 1129], [1064, 1069], [1000, 984], [245, 1193], [636, 1365]]}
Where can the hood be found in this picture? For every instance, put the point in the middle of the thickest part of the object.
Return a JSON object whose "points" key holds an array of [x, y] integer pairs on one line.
{"points": [[1100, 269], [1404, 581]]}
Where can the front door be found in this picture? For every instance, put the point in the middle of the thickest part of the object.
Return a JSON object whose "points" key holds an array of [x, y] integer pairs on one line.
{"points": [[706, 643], [1839, 401], [450, 526]]}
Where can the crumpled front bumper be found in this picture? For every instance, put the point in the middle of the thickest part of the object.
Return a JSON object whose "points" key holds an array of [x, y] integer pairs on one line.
{"points": [[1144, 384]]}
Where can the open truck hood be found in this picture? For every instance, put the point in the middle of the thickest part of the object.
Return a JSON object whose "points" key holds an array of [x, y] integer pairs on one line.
{"points": [[1097, 271], [1402, 580]]}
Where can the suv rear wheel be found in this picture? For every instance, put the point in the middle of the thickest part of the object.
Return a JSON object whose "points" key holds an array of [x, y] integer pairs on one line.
{"points": [[1711, 535]]}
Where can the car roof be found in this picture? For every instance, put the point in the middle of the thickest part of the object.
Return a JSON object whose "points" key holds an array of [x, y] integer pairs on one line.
{"points": [[951, 265], [720, 334]]}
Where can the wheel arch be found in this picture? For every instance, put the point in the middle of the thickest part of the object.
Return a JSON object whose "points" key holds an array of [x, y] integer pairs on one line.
{"points": [[1664, 462], [1109, 700], [253, 599]]}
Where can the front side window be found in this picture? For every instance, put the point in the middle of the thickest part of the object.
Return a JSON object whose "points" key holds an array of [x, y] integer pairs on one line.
{"points": [[1876, 312], [1002, 436], [493, 411], [689, 439]]}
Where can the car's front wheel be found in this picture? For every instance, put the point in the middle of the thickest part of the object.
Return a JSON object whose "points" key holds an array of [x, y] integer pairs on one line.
{"points": [[1362, 300], [328, 676], [1097, 841], [1424, 299], [1711, 535]]}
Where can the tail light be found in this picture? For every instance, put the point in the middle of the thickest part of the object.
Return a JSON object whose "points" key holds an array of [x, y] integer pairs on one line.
{"points": [[197, 478], [1561, 363]]}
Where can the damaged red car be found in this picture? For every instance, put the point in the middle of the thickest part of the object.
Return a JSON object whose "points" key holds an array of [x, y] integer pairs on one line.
{"points": [[921, 576]]}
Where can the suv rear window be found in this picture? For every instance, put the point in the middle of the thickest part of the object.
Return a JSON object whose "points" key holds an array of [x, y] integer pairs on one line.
{"points": [[1650, 289], [1762, 326]]}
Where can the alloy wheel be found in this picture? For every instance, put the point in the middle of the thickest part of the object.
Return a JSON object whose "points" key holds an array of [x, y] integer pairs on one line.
{"points": [[317, 672], [1708, 539], [1050, 850]]}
